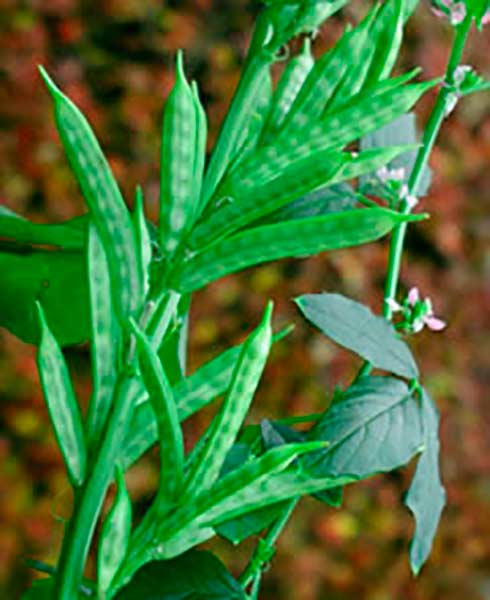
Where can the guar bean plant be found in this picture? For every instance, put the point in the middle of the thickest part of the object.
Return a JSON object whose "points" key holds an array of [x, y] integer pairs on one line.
{"points": [[326, 158]]}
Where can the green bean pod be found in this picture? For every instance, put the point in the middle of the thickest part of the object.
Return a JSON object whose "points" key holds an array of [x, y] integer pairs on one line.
{"points": [[359, 60], [178, 163], [298, 238], [201, 142], [103, 199], [191, 394], [169, 431], [143, 241], [104, 340], [61, 402], [387, 36], [114, 538], [289, 85], [251, 195], [233, 411]]}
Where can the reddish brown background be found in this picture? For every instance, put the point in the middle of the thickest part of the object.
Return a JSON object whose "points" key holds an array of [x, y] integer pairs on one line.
{"points": [[114, 59]]}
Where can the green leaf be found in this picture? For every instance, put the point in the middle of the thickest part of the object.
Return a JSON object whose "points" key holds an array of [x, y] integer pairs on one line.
{"points": [[58, 279], [114, 537], [103, 198], [61, 402], [353, 326], [42, 589], [178, 200], [426, 497], [400, 131], [69, 235], [169, 431], [226, 424], [302, 237], [376, 427], [195, 575], [105, 339]]}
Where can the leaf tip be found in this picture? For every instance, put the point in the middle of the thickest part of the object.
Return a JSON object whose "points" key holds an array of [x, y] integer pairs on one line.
{"points": [[50, 84]]}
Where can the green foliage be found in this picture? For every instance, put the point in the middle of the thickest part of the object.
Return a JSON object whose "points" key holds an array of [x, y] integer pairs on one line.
{"points": [[355, 327], [279, 184], [426, 496], [196, 574], [57, 279]]}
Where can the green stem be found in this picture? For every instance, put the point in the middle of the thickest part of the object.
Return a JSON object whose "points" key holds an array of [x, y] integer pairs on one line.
{"points": [[265, 547], [430, 134], [89, 500]]}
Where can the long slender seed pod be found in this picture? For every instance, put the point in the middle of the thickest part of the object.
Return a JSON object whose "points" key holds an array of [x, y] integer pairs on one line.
{"points": [[114, 537], [387, 35], [169, 430], [191, 394], [178, 158], [63, 408], [229, 419], [201, 140], [143, 241], [103, 199], [302, 237], [105, 338], [290, 83]]}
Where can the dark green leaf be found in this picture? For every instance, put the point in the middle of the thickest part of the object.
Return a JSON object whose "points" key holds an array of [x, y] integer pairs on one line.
{"points": [[58, 279], [69, 235], [354, 326], [42, 589], [426, 497], [375, 428], [195, 575]]}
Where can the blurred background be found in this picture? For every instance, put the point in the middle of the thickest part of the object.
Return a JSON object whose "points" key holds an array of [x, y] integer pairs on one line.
{"points": [[114, 59]]}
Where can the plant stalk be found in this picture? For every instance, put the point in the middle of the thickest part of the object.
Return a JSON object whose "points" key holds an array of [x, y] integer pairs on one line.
{"points": [[430, 134], [265, 548], [89, 500]]}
